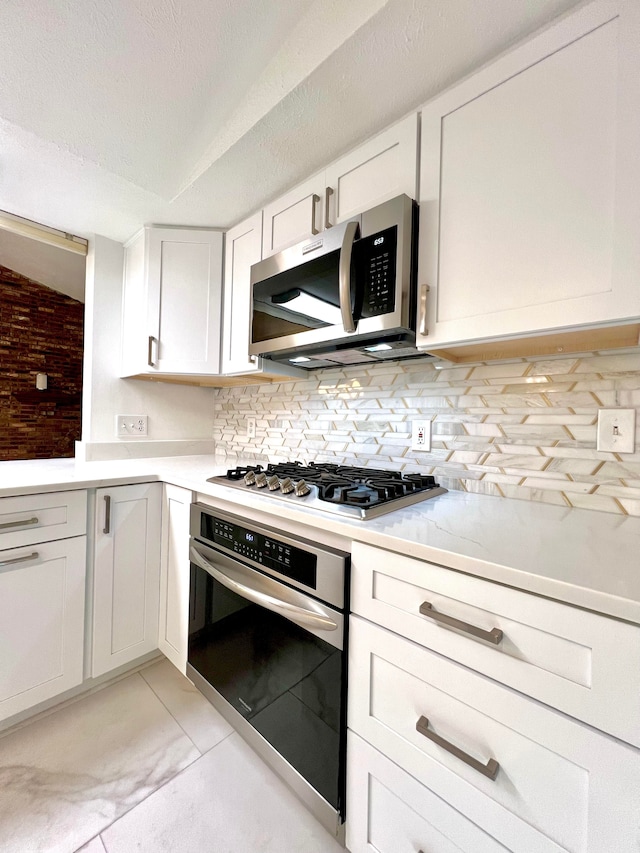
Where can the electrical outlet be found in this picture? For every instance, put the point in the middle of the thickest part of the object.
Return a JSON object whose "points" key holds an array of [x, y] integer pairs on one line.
{"points": [[131, 426], [251, 427], [616, 430], [421, 435]]}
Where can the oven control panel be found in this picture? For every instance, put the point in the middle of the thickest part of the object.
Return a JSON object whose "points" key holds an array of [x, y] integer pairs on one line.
{"points": [[292, 562]]}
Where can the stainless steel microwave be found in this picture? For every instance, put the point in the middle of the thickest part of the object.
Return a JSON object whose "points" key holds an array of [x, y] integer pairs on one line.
{"points": [[346, 296]]}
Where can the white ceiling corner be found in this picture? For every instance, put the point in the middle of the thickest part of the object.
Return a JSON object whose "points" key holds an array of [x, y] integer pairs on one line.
{"points": [[114, 113]]}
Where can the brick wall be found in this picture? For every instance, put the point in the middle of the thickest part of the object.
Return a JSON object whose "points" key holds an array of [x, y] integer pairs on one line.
{"points": [[41, 331]]}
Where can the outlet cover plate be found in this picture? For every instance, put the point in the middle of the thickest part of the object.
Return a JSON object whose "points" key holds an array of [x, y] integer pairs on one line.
{"points": [[616, 430], [131, 426], [421, 434]]}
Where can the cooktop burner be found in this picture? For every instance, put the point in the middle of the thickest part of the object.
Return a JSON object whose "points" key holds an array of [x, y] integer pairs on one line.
{"points": [[343, 489]]}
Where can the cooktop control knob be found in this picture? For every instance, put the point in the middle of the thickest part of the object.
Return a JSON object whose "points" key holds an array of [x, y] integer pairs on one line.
{"points": [[250, 478], [302, 489], [261, 480], [273, 482], [286, 486]]}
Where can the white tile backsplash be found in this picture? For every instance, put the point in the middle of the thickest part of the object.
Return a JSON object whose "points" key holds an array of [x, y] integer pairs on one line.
{"points": [[523, 429]]}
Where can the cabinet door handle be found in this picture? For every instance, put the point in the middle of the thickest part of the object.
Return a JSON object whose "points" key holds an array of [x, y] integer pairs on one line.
{"points": [[327, 197], [490, 769], [150, 360], [315, 199], [493, 636], [424, 290], [107, 514], [8, 524], [14, 560]]}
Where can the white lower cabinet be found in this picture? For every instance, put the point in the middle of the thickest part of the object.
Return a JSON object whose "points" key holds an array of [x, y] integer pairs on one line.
{"points": [[42, 603], [528, 776], [174, 575], [126, 587], [390, 812]]}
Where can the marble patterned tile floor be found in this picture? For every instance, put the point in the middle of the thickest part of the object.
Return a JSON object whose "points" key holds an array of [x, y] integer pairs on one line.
{"points": [[145, 764]]}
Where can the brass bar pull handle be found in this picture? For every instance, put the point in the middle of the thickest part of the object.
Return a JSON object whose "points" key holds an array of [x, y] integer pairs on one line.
{"points": [[107, 514], [14, 560], [8, 524], [150, 360], [315, 199], [493, 636], [327, 198], [490, 769], [424, 290]]}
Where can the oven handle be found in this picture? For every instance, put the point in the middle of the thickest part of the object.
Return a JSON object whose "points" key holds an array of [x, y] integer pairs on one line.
{"points": [[300, 615]]}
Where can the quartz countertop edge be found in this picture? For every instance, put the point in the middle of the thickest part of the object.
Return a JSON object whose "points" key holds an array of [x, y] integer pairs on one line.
{"points": [[580, 557]]}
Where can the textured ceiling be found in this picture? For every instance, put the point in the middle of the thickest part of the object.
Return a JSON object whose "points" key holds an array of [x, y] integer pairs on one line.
{"points": [[116, 113]]}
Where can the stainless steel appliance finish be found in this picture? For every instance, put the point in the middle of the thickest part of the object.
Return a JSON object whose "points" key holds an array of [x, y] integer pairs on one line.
{"points": [[345, 297], [267, 647], [360, 493]]}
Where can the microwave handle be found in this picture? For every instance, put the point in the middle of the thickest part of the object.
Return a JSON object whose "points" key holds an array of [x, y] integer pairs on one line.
{"points": [[344, 276]]}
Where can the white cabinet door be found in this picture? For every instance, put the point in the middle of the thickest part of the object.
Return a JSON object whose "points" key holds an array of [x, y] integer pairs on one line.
{"points": [[172, 302], [378, 170], [293, 217], [26, 519], [530, 777], [530, 186], [243, 247], [389, 812], [41, 622], [126, 583], [174, 575], [381, 169], [564, 656]]}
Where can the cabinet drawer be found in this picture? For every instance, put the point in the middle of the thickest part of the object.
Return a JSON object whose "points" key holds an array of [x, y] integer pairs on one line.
{"points": [[558, 785], [41, 622], [582, 663], [389, 812], [42, 518]]}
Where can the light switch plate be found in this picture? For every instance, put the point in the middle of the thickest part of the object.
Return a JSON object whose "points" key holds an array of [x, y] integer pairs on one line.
{"points": [[616, 430]]}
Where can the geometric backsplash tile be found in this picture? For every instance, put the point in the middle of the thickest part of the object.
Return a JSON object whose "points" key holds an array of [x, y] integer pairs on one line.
{"points": [[520, 429]]}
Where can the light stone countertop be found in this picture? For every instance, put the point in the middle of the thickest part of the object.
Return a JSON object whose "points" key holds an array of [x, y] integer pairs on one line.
{"points": [[586, 558]]}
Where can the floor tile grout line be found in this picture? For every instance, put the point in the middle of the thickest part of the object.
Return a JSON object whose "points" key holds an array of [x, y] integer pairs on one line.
{"points": [[173, 717], [180, 724], [155, 791]]}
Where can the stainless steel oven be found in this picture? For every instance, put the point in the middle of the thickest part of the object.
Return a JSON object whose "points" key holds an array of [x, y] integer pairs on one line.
{"points": [[268, 648]]}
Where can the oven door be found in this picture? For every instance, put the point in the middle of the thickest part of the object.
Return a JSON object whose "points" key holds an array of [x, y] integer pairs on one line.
{"points": [[273, 659]]}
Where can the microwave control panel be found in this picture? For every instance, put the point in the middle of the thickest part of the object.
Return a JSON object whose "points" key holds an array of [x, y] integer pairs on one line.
{"points": [[378, 268]]}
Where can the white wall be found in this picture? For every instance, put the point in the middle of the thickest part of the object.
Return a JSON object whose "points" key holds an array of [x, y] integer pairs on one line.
{"points": [[174, 411]]}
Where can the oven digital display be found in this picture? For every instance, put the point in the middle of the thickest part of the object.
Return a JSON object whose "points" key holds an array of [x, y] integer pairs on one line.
{"points": [[292, 562]]}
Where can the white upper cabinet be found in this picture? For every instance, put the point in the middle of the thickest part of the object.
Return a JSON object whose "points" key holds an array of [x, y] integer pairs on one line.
{"points": [[530, 186], [172, 302], [243, 247], [383, 167], [293, 217]]}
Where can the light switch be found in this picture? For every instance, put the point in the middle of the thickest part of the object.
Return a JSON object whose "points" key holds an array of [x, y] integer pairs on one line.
{"points": [[616, 430]]}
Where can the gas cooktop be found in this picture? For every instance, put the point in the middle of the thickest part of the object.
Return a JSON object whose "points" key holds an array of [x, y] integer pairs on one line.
{"points": [[342, 489]]}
